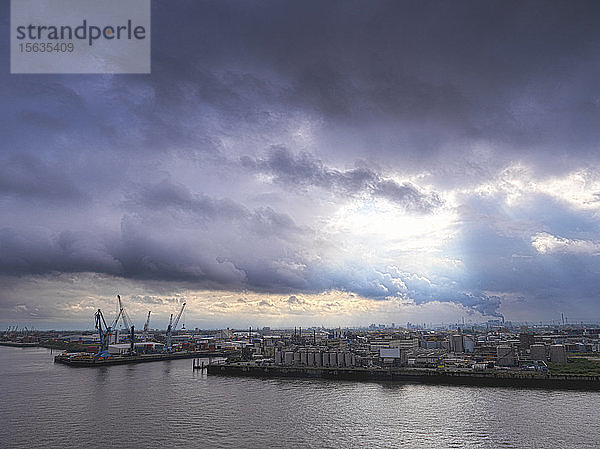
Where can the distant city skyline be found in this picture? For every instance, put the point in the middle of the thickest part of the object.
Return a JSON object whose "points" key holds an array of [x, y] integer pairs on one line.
{"points": [[310, 163]]}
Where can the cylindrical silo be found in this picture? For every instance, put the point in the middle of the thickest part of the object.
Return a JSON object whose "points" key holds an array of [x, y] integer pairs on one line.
{"points": [[332, 358], [348, 358], [288, 358], [303, 358]]}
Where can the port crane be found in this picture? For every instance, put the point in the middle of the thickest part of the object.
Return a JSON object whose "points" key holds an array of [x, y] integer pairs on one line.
{"points": [[171, 327], [124, 315], [105, 332], [145, 332]]}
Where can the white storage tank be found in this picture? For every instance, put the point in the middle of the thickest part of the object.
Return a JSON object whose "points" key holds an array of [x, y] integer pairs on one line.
{"points": [[318, 359], [310, 359], [340, 359]]}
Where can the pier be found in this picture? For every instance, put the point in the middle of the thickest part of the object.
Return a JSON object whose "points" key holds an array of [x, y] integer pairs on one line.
{"points": [[16, 344], [492, 378], [89, 361], [199, 363]]}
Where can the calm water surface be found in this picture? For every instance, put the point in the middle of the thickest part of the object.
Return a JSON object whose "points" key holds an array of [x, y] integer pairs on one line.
{"points": [[167, 404]]}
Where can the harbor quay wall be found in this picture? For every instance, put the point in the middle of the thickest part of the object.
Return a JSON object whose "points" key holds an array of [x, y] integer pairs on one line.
{"points": [[122, 360], [428, 376], [18, 344]]}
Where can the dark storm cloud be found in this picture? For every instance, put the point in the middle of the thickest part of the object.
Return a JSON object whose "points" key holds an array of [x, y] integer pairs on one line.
{"points": [[172, 234], [221, 254], [176, 199], [26, 176], [35, 250], [167, 233], [399, 80], [305, 171], [139, 176], [431, 72], [167, 195]]}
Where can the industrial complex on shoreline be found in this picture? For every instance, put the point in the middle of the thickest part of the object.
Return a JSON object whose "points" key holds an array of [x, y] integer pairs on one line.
{"points": [[493, 350]]}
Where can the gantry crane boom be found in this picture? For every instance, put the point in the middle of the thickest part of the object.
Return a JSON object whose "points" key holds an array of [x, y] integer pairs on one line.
{"points": [[126, 320], [104, 331], [171, 327], [145, 332], [114, 323], [178, 316]]}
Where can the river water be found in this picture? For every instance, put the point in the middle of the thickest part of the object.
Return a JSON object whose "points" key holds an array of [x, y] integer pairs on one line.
{"points": [[167, 404]]}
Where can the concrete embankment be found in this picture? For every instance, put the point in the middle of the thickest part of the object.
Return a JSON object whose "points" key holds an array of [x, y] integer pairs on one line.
{"points": [[522, 379], [90, 361], [16, 344]]}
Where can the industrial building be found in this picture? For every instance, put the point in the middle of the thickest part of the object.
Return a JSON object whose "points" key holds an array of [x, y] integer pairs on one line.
{"points": [[314, 357], [537, 352], [558, 354], [393, 356], [138, 347], [505, 355]]}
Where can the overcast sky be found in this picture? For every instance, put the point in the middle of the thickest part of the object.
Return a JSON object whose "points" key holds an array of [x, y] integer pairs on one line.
{"points": [[312, 163]]}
